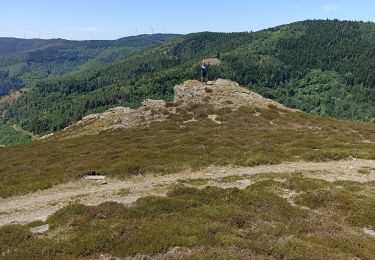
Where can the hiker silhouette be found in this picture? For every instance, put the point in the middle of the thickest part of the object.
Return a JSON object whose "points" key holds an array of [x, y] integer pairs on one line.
{"points": [[203, 72]]}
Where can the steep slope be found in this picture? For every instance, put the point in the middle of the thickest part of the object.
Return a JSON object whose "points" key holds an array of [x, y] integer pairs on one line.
{"points": [[323, 67], [24, 62]]}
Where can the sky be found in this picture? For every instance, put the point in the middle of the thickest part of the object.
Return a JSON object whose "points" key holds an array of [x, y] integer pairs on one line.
{"points": [[112, 19]]}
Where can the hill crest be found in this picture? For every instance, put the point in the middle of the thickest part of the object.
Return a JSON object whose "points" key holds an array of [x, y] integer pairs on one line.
{"points": [[218, 94]]}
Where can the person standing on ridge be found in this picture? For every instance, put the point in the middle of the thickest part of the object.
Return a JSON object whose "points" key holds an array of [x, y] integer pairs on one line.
{"points": [[203, 72]]}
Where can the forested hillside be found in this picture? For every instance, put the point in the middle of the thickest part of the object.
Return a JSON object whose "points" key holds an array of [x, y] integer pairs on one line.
{"points": [[10, 136], [323, 67], [24, 62]]}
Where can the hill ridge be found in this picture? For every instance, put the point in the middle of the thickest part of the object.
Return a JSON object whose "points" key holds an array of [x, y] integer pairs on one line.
{"points": [[220, 94]]}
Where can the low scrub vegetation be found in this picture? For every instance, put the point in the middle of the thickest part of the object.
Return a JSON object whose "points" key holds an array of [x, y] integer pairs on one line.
{"points": [[246, 138], [195, 182], [364, 170], [254, 222]]}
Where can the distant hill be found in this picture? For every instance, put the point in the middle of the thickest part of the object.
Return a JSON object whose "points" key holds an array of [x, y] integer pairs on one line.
{"points": [[320, 66], [24, 62]]}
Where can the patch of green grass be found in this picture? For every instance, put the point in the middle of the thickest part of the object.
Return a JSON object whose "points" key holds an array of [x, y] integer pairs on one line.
{"points": [[266, 185], [344, 200], [36, 223], [231, 178], [272, 106], [347, 204], [221, 253], [350, 185], [123, 192], [12, 235], [166, 170], [340, 199], [130, 169], [333, 154], [195, 182], [364, 170], [306, 184], [365, 215], [258, 159]]}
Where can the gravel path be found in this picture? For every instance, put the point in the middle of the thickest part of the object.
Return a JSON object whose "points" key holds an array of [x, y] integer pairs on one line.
{"points": [[39, 205]]}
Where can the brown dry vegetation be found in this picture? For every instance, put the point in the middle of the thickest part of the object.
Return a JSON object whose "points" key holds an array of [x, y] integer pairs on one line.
{"points": [[248, 136]]}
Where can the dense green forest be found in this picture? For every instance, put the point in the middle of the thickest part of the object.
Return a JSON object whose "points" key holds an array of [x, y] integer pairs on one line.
{"points": [[24, 62], [324, 67], [10, 136]]}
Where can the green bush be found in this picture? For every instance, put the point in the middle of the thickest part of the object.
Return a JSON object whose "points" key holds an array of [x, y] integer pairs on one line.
{"points": [[257, 159]]}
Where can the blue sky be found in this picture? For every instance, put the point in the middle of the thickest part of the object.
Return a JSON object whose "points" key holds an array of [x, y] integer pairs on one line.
{"points": [[111, 19]]}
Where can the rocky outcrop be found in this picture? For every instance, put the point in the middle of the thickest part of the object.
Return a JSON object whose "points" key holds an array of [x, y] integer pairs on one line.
{"points": [[220, 93], [118, 117]]}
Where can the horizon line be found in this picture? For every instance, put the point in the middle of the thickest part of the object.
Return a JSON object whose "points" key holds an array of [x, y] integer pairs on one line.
{"points": [[180, 34]]}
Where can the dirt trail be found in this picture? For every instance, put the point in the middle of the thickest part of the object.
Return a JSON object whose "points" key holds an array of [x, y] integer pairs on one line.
{"points": [[41, 204]]}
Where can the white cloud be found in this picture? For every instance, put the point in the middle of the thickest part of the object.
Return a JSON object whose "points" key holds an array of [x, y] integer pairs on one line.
{"points": [[331, 7], [86, 29]]}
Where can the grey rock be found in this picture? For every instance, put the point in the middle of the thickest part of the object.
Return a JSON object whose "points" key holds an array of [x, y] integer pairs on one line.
{"points": [[94, 177], [40, 229], [369, 232]]}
